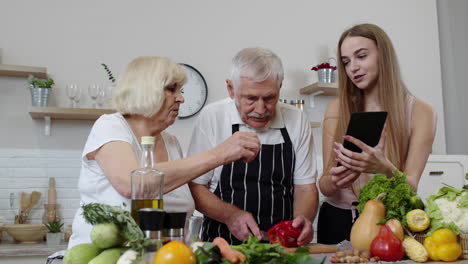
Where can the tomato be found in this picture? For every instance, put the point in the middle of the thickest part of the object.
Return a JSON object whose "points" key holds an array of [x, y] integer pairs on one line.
{"points": [[175, 252]]}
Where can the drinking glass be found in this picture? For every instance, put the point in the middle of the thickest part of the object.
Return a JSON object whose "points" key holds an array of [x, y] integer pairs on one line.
{"points": [[77, 98], [102, 96], [147, 190], [72, 93], [193, 226], [93, 92]]}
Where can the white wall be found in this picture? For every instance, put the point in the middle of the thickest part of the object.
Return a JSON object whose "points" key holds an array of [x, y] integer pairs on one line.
{"points": [[72, 38], [453, 22]]}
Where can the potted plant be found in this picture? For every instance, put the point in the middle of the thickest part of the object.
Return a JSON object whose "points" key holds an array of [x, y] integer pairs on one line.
{"points": [[40, 90], [55, 235], [325, 72]]}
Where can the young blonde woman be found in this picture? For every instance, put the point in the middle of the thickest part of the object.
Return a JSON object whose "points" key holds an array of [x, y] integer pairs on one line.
{"points": [[369, 80]]}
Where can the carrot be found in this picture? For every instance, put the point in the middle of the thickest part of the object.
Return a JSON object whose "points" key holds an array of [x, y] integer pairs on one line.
{"points": [[232, 255]]}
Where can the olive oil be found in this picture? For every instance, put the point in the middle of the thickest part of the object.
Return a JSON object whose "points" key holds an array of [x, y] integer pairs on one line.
{"points": [[140, 204]]}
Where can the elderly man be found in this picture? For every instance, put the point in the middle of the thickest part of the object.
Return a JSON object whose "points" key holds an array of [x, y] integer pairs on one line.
{"points": [[242, 198]]}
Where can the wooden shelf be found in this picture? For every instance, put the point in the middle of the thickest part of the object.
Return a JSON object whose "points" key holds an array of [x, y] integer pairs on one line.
{"points": [[68, 113], [22, 71], [320, 88], [315, 124]]}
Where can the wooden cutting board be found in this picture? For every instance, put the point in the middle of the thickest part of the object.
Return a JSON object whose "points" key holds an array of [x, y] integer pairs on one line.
{"points": [[316, 248]]}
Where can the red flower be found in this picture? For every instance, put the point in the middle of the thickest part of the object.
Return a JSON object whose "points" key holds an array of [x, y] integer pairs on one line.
{"points": [[324, 65]]}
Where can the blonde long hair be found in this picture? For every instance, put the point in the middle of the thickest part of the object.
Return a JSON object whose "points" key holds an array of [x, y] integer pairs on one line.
{"points": [[392, 95]]}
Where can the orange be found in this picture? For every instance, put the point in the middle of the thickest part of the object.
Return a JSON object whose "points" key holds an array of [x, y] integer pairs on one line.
{"points": [[175, 252]]}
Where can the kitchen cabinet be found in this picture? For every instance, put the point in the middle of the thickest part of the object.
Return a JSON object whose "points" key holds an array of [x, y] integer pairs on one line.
{"points": [[441, 170], [59, 113], [22, 71]]}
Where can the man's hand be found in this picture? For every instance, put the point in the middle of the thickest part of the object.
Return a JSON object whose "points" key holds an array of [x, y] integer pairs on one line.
{"points": [[307, 230], [241, 145], [241, 224]]}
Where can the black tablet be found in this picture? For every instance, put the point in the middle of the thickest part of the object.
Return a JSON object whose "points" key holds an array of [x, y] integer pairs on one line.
{"points": [[365, 126]]}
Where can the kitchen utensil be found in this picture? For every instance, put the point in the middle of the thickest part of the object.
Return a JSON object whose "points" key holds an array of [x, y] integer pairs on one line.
{"points": [[51, 201], [25, 201], [28, 201], [12, 202]]}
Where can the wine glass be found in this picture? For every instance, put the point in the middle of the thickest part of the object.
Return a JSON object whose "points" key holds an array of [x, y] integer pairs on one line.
{"points": [[102, 96], [78, 96], [72, 93], [93, 92]]}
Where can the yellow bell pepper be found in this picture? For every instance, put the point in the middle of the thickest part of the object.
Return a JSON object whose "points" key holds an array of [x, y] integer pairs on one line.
{"points": [[443, 245]]}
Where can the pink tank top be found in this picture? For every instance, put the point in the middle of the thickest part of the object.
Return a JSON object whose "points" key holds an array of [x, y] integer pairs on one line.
{"points": [[344, 198]]}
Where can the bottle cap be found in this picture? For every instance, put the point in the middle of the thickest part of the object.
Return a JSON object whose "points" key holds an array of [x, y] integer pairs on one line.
{"points": [[146, 140], [151, 219], [174, 220]]}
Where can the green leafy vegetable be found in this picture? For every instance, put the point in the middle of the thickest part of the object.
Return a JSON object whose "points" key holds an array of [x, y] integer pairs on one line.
{"points": [[209, 253], [466, 185], [95, 213], [399, 199], [257, 252]]}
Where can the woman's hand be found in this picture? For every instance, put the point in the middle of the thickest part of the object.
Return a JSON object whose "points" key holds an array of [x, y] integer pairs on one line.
{"points": [[343, 177], [370, 160]]}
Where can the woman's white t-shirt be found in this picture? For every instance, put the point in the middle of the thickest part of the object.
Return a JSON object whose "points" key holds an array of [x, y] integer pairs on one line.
{"points": [[95, 187]]}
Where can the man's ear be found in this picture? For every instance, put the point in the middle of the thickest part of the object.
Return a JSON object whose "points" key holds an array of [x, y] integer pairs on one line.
{"points": [[230, 88]]}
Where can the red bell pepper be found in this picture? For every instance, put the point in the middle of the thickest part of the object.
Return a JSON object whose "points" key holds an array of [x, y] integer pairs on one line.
{"points": [[284, 234]]}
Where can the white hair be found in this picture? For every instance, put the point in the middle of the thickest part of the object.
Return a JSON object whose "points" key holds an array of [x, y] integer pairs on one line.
{"points": [[140, 88], [257, 65]]}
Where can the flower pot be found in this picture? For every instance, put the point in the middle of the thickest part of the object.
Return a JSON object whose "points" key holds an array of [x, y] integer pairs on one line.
{"points": [[326, 75], [39, 96], [54, 239]]}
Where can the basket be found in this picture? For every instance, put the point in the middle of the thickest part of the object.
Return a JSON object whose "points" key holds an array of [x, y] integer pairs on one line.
{"points": [[464, 245], [420, 237]]}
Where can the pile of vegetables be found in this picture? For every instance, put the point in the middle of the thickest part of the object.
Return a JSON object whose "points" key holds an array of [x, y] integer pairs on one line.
{"points": [[250, 252], [115, 236], [446, 215], [257, 252], [448, 208], [399, 199], [117, 239]]}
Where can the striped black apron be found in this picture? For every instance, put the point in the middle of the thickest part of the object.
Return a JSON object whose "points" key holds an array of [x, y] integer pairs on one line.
{"points": [[264, 187]]}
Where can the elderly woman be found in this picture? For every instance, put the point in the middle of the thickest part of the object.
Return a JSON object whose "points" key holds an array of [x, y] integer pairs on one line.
{"points": [[147, 101]]}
